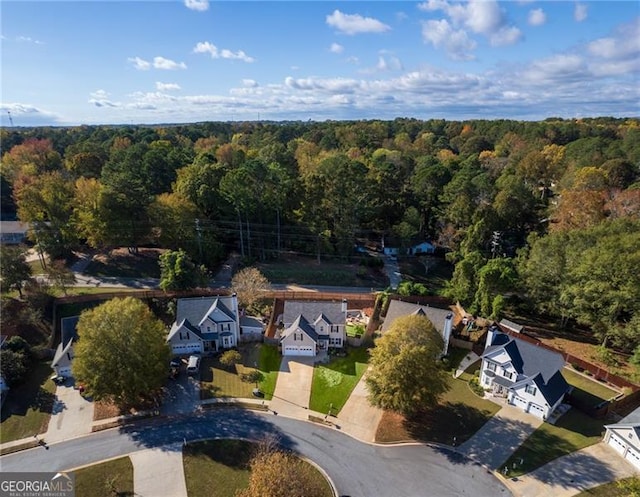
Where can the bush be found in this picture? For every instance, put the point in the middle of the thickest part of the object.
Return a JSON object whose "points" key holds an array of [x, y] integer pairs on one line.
{"points": [[474, 385], [578, 368]]}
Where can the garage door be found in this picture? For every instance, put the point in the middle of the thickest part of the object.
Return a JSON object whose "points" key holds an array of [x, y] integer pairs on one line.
{"points": [[521, 403], [186, 348], [298, 350], [65, 371], [633, 457], [616, 442], [536, 410]]}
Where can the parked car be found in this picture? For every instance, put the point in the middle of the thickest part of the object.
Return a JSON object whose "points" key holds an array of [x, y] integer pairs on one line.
{"points": [[175, 363], [58, 379], [193, 366]]}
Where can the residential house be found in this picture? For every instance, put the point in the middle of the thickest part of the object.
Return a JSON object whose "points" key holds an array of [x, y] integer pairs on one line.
{"points": [[421, 248], [312, 327], [13, 232], [624, 437], [442, 319], [63, 357], [205, 325], [527, 375]]}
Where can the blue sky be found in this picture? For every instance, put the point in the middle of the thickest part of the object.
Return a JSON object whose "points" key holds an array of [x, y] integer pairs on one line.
{"points": [[104, 62]]}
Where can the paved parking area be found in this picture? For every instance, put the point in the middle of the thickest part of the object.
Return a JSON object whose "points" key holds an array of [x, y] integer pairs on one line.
{"points": [[182, 395], [72, 414], [500, 436], [358, 417], [293, 388]]}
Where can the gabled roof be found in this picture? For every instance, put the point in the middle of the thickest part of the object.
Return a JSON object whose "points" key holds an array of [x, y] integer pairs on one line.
{"points": [[196, 309], [68, 335], [251, 322], [332, 312], [185, 325], [300, 323], [397, 309], [632, 420], [217, 305], [526, 358], [551, 390]]}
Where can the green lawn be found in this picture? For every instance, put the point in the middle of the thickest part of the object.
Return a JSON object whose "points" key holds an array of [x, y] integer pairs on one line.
{"points": [[220, 468], [106, 479], [216, 381], [589, 392], [573, 431], [333, 382], [27, 409], [628, 487], [216, 468], [435, 278]]}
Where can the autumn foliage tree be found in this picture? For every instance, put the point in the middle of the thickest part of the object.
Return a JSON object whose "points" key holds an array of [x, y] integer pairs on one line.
{"points": [[248, 284], [121, 353]]}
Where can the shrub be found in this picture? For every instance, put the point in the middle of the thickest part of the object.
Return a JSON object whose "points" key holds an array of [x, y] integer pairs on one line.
{"points": [[474, 384]]}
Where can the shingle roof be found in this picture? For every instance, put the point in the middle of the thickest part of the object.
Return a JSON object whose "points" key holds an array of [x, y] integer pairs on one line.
{"points": [[632, 418], [511, 325], [185, 325], [251, 322], [397, 309], [68, 334], [195, 309], [332, 311], [300, 323], [527, 359], [553, 389]]}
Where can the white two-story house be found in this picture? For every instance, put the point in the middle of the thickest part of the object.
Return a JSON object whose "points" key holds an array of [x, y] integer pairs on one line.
{"points": [[205, 325], [63, 357], [529, 376], [310, 327]]}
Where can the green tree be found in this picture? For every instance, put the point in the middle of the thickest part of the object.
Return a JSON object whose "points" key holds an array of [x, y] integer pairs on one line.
{"points": [[405, 375], [14, 366], [495, 278], [249, 284], [178, 272], [14, 270], [121, 353], [60, 276]]}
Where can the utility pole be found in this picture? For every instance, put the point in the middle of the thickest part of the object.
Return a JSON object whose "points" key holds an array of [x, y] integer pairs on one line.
{"points": [[198, 231]]}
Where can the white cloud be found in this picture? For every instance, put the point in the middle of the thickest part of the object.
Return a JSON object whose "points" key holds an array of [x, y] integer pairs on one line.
{"points": [[336, 48], [100, 98], [537, 17], [249, 83], [352, 24], [442, 35], [484, 17], [140, 64], [216, 53], [28, 39], [167, 64], [618, 53], [167, 86], [580, 12], [199, 5], [567, 68], [26, 115]]}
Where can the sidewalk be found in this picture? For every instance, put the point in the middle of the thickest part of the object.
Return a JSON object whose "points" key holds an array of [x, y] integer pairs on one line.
{"points": [[467, 361], [358, 418]]}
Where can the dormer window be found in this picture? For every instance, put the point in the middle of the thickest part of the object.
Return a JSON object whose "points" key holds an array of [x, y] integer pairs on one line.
{"points": [[530, 389], [491, 366]]}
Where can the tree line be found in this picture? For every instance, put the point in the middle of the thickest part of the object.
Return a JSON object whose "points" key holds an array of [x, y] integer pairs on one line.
{"points": [[544, 212]]}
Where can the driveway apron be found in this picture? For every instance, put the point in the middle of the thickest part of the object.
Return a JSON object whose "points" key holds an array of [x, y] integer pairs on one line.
{"points": [[72, 415], [358, 417], [293, 388], [159, 472], [573, 473], [500, 436]]}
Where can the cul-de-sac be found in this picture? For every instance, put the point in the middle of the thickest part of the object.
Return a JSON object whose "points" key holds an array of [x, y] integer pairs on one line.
{"points": [[298, 249]]}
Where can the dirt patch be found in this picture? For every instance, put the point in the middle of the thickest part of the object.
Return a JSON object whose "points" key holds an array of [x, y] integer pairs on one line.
{"points": [[105, 410], [392, 428]]}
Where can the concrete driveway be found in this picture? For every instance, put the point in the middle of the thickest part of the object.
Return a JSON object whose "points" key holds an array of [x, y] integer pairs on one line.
{"points": [[72, 414], [293, 388], [500, 436], [573, 473], [358, 418], [159, 471]]}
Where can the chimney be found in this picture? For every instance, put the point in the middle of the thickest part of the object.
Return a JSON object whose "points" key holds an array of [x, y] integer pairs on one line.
{"points": [[493, 331], [344, 305], [446, 333]]}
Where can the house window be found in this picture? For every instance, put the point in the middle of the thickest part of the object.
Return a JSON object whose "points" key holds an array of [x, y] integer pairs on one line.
{"points": [[530, 389], [491, 366], [180, 335], [188, 335], [507, 374]]}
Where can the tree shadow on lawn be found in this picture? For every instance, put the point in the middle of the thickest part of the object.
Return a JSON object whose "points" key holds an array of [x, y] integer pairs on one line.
{"points": [[30, 395], [447, 423], [231, 453]]}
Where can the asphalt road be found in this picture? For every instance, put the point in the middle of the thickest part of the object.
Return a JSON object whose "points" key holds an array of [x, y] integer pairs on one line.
{"points": [[357, 469]]}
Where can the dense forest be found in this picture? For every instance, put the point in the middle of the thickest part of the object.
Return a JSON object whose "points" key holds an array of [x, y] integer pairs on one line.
{"points": [[546, 213]]}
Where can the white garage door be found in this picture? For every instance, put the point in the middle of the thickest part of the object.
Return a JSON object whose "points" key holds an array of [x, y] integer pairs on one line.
{"points": [[298, 350], [616, 442], [521, 403], [186, 348], [536, 410], [633, 457], [64, 371]]}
